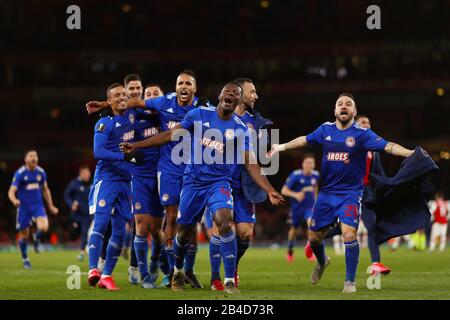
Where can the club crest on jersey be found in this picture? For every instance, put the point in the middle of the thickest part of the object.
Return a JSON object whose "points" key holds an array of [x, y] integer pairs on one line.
{"points": [[39, 178], [229, 134], [165, 197], [137, 206], [102, 203], [338, 156], [131, 118], [350, 142]]}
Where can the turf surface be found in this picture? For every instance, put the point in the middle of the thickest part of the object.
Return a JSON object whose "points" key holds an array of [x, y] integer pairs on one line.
{"points": [[264, 274]]}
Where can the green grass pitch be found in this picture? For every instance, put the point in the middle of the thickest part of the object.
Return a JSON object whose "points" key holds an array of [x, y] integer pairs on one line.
{"points": [[264, 274]]}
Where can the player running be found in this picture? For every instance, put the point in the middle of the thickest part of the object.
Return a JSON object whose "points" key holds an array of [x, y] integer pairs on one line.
{"points": [[28, 186], [110, 197], [345, 144], [171, 108], [302, 187], [440, 211], [208, 183], [76, 196]]}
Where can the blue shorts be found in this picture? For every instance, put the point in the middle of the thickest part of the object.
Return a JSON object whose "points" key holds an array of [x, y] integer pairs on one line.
{"points": [[113, 197], [330, 209], [194, 201], [27, 214], [297, 216], [169, 187], [208, 219], [145, 197], [244, 210]]}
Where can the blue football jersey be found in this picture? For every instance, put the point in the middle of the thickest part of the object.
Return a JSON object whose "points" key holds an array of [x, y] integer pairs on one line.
{"points": [[344, 156], [29, 184], [170, 115], [248, 120], [216, 146], [146, 125], [110, 131], [298, 180]]}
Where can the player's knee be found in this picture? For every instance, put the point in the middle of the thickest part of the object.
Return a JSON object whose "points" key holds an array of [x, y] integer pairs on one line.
{"points": [[349, 235], [225, 228], [246, 235], [141, 230], [314, 238]]}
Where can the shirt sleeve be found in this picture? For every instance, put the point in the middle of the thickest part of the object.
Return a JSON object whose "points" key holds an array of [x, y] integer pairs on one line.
{"points": [[290, 181], [373, 142], [190, 118], [102, 130], [154, 103], [316, 137], [16, 179]]}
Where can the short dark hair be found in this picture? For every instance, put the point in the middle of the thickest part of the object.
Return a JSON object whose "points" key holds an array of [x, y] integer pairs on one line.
{"points": [[359, 116], [114, 85], [27, 151], [153, 85], [308, 155], [131, 77], [242, 81], [236, 84], [189, 72]]}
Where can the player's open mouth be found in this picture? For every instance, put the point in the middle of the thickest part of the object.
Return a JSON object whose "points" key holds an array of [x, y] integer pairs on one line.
{"points": [[183, 94], [344, 113]]}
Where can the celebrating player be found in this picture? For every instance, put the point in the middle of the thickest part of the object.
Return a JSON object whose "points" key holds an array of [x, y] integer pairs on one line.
{"points": [[440, 210], [110, 197], [208, 183], [76, 197], [302, 187], [171, 109], [28, 187], [345, 144]]}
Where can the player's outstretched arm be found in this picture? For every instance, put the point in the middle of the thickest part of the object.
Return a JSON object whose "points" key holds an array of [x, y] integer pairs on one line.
{"points": [[254, 170], [299, 196], [293, 144], [12, 196], [154, 141], [397, 150], [48, 199], [95, 106]]}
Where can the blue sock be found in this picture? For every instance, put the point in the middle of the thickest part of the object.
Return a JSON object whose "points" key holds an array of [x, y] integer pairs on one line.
{"points": [[242, 246], [23, 248], [95, 248], [189, 261], [163, 263], [38, 235], [115, 243], [112, 255], [179, 252], [319, 252], [169, 252], [133, 256], [141, 250], [351, 259], [214, 257], [228, 251], [290, 245]]}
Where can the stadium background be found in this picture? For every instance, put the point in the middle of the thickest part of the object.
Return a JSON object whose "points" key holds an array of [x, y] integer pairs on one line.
{"points": [[300, 54]]}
